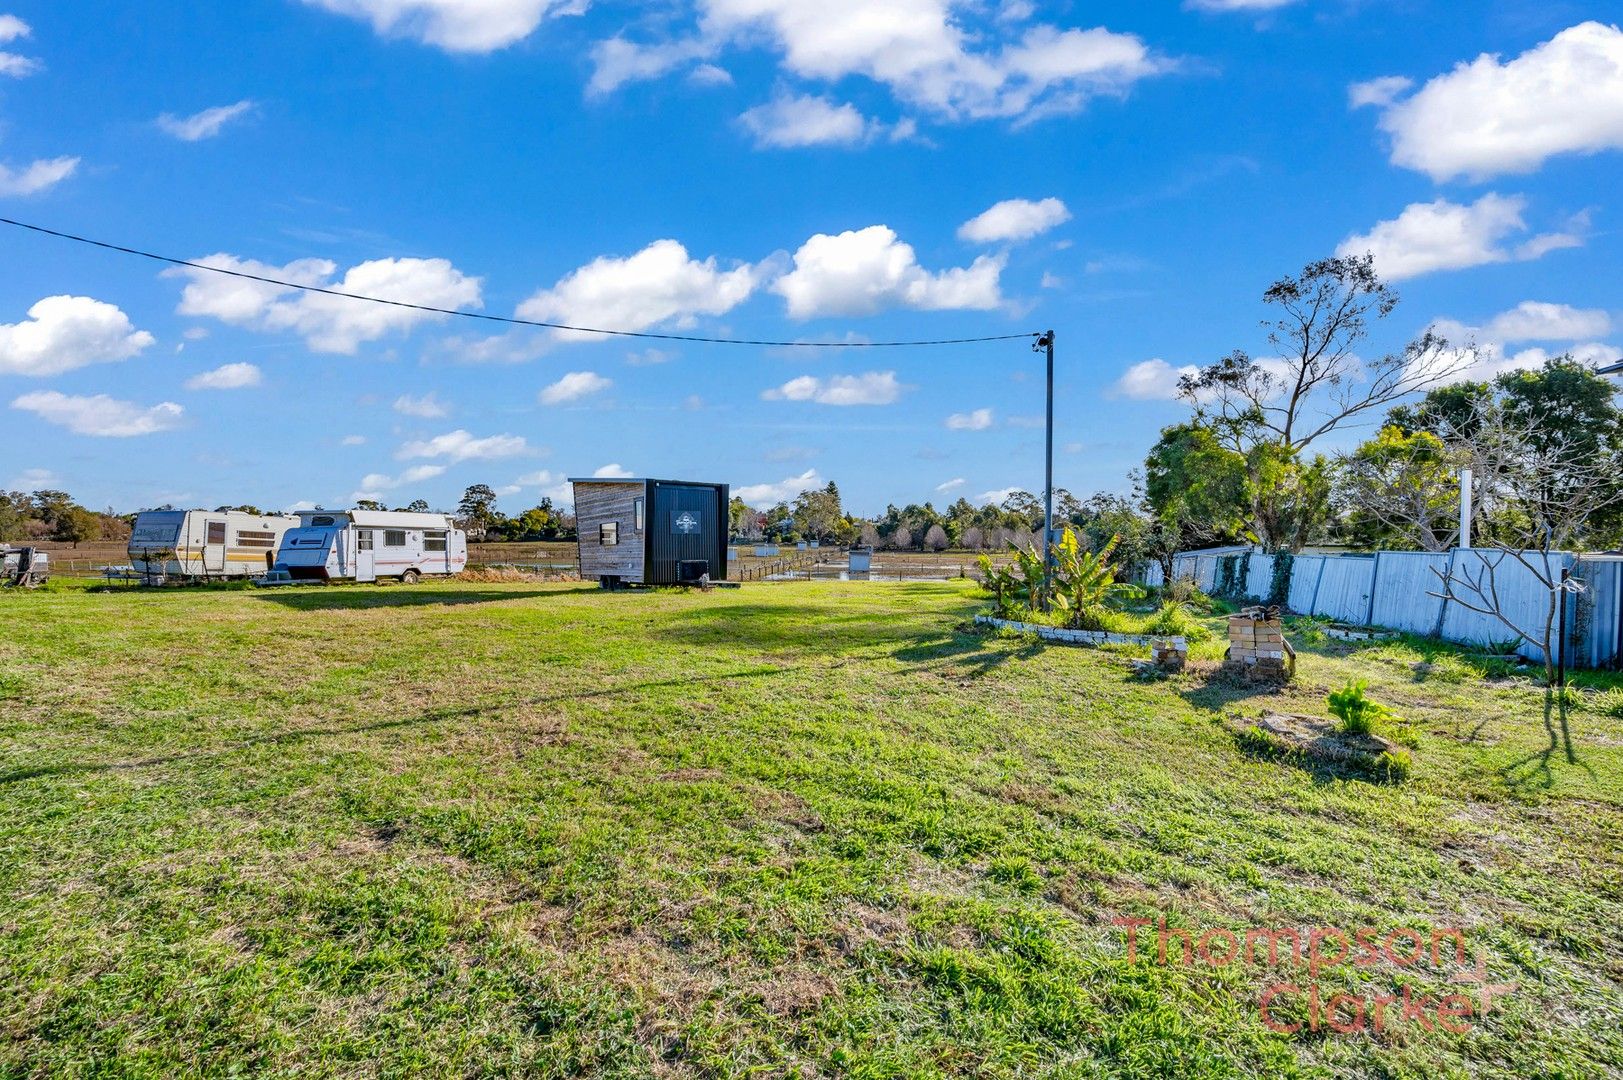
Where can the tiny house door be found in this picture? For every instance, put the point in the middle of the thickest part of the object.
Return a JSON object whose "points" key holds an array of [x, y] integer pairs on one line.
{"points": [[365, 567], [214, 547]]}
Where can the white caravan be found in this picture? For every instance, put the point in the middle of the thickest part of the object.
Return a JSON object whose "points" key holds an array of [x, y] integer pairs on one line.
{"points": [[364, 545], [205, 543]]}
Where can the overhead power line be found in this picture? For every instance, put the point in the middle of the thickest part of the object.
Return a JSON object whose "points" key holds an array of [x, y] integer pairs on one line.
{"points": [[190, 265]]}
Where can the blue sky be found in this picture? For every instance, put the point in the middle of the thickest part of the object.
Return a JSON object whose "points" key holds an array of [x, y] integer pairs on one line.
{"points": [[792, 169]]}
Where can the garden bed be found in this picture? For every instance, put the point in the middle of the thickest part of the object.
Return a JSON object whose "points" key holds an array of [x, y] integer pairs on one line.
{"points": [[1320, 739], [1076, 637]]}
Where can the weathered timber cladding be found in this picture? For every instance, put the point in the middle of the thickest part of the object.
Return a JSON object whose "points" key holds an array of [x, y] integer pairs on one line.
{"points": [[610, 501]]}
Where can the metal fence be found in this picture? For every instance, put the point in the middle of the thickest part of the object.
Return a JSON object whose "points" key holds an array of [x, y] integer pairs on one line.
{"points": [[1400, 590]]}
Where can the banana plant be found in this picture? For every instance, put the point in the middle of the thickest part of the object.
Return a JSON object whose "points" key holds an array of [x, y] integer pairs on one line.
{"points": [[1086, 579], [1081, 579]]}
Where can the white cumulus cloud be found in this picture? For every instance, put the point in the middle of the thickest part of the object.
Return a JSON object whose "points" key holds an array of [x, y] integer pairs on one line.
{"points": [[36, 177], [460, 445], [922, 51], [372, 484], [573, 386], [472, 26], [1533, 320], [978, 420], [771, 494], [1442, 235], [660, 283], [793, 120], [927, 53], [865, 271], [1014, 219], [950, 485], [1237, 5], [1151, 380], [426, 407], [101, 415], [1382, 91], [612, 471], [14, 64], [333, 324], [872, 388], [62, 333], [202, 125], [226, 377], [1489, 118]]}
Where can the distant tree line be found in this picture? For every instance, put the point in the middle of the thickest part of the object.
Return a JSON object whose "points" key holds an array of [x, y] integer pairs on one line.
{"points": [[1016, 520], [53, 515], [476, 514]]}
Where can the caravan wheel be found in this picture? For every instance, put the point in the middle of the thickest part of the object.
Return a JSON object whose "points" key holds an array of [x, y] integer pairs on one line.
{"points": [[410, 577]]}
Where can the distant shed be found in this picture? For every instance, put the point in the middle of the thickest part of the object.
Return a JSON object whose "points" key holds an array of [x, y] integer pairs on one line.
{"points": [[651, 532]]}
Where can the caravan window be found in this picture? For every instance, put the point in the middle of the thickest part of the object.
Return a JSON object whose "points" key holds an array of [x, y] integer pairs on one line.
{"points": [[642, 525], [608, 533], [363, 540], [322, 520], [255, 538], [434, 540], [216, 532], [394, 537]]}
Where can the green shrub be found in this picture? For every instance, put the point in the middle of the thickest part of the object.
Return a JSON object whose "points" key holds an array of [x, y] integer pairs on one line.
{"points": [[1359, 715], [1394, 765], [1174, 620], [1185, 591]]}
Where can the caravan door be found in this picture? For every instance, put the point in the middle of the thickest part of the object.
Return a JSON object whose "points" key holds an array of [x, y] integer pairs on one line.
{"points": [[365, 568], [214, 548]]}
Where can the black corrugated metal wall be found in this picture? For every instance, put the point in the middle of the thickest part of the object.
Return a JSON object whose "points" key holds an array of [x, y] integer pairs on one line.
{"points": [[686, 523]]}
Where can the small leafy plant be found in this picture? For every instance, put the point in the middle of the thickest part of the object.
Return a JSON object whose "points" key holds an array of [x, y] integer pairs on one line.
{"points": [[1358, 713]]}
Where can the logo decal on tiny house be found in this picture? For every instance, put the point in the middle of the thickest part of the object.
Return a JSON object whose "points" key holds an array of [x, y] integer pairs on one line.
{"points": [[684, 521]]}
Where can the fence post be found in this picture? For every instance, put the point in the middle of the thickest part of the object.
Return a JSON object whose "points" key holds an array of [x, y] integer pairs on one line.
{"points": [[1561, 641], [1374, 580], [1313, 605], [1442, 607]]}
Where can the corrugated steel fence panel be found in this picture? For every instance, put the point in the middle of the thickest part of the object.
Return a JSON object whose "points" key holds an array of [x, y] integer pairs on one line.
{"points": [[1596, 633], [1404, 582], [1306, 573], [1259, 577], [1401, 583], [1344, 590], [1522, 597]]}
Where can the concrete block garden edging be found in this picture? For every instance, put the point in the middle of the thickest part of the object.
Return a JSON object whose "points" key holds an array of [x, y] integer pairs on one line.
{"points": [[1078, 637]]}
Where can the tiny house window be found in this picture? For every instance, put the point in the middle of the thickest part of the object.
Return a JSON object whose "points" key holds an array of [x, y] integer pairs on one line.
{"points": [[434, 540], [363, 540], [394, 537], [216, 532], [641, 524], [608, 533]]}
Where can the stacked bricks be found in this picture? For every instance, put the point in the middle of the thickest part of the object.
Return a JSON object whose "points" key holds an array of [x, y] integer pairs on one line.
{"points": [[1169, 654], [1257, 646]]}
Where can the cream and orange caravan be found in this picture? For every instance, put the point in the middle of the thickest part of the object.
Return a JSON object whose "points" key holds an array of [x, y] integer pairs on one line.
{"points": [[196, 545]]}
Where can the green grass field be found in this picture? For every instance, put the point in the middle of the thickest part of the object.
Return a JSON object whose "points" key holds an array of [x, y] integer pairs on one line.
{"points": [[804, 829]]}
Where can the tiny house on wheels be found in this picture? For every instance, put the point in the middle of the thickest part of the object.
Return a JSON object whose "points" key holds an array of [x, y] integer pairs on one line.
{"points": [[365, 545], [205, 543], [651, 532]]}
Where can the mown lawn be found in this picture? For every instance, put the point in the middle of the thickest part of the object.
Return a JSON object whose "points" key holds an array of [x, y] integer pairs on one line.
{"points": [[813, 829]]}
